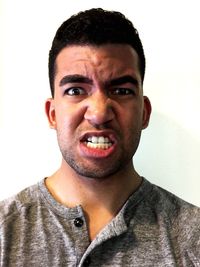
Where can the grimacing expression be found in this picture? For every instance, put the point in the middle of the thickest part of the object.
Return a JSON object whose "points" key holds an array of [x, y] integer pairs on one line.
{"points": [[98, 109]]}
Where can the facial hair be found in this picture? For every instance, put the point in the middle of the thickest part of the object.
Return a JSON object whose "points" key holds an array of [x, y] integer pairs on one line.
{"points": [[99, 168]]}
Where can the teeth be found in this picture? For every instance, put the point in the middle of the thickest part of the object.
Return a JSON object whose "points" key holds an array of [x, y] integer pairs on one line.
{"points": [[94, 139], [101, 146], [98, 142]]}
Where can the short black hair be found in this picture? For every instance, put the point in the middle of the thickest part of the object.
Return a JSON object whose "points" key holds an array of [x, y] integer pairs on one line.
{"points": [[95, 27]]}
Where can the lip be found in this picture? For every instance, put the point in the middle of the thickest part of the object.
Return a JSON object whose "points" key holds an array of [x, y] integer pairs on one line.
{"points": [[96, 153]]}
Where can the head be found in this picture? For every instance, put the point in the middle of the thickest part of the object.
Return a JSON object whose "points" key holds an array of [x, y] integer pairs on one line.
{"points": [[96, 69], [95, 27]]}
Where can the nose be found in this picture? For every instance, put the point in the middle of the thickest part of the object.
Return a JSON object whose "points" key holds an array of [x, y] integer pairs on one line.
{"points": [[99, 109]]}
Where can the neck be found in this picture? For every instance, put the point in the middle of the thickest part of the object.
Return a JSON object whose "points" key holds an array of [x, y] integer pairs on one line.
{"points": [[101, 196]]}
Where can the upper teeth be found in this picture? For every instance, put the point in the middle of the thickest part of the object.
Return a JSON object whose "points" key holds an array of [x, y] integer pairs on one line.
{"points": [[98, 139]]}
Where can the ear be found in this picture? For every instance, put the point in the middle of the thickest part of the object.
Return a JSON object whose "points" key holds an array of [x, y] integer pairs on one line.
{"points": [[50, 112], [146, 112]]}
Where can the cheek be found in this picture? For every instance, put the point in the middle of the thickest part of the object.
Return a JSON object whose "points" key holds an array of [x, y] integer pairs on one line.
{"points": [[131, 124], [132, 116], [68, 117]]}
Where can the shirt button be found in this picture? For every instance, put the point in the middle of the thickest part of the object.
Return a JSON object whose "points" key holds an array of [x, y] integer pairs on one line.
{"points": [[78, 222], [87, 262]]}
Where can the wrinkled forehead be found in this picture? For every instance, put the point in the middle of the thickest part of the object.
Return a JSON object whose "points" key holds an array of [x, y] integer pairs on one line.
{"points": [[98, 61]]}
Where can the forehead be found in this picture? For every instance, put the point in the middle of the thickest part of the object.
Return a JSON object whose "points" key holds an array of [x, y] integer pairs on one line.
{"points": [[98, 61]]}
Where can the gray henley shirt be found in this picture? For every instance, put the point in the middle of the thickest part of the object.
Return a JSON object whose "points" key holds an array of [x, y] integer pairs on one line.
{"points": [[154, 228]]}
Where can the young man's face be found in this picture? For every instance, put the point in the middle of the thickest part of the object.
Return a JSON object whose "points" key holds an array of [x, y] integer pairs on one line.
{"points": [[98, 110]]}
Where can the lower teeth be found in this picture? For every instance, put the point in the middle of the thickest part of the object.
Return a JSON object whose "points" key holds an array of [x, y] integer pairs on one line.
{"points": [[98, 145]]}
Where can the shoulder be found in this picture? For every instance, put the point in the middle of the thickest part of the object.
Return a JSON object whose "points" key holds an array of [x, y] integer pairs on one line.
{"points": [[12, 206], [173, 205], [159, 204], [182, 218]]}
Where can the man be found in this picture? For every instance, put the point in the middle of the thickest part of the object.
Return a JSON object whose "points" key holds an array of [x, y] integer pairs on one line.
{"points": [[96, 210]]}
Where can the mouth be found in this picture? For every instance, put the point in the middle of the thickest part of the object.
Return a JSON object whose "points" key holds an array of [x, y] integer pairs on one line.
{"points": [[96, 140], [100, 142], [98, 145]]}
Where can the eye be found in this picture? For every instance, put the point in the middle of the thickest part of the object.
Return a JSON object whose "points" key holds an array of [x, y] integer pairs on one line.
{"points": [[122, 91], [74, 91]]}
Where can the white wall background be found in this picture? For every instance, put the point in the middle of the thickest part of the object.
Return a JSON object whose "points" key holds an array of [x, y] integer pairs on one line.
{"points": [[170, 148]]}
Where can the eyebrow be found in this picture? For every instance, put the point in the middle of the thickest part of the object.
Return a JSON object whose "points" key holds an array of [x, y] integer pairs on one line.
{"points": [[123, 80], [77, 78]]}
